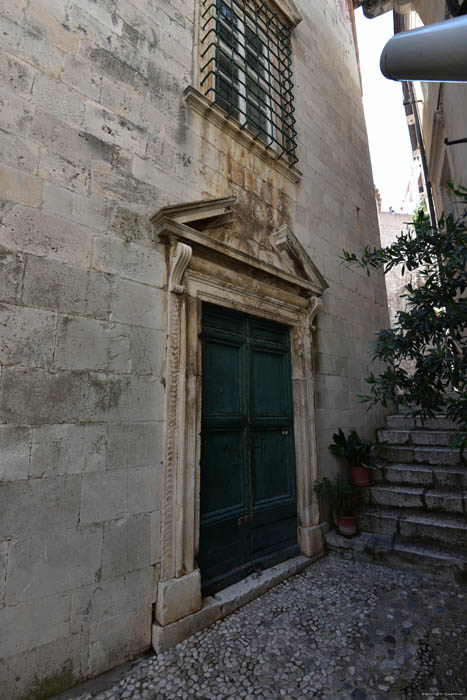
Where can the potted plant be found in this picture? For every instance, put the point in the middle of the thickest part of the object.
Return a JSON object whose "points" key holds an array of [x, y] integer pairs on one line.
{"points": [[358, 453], [344, 500]]}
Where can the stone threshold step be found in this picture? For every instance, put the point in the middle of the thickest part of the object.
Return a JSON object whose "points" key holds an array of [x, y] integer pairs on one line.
{"points": [[423, 475], [445, 562], [228, 600]]}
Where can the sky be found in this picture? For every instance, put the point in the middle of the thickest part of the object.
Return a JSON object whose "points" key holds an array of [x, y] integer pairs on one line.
{"points": [[388, 135]]}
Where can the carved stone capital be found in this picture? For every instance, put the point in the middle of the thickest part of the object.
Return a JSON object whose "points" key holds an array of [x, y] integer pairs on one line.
{"points": [[182, 257]]}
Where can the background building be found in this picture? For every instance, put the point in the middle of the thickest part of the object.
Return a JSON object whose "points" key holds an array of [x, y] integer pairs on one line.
{"points": [[391, 225], [441, 107], [110, 113]]}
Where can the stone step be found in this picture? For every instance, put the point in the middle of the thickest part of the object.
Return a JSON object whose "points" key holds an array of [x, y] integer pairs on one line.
{"points": [[397, 496], [429, 553], [416, 523], [440, 422], [450, 529], [440, 560], [450, 476], [402, 422], [379, 520], [450, 501], [445, 500], [419, 455], [418, 500], [424, 475], [436, 438], [415, 474]]}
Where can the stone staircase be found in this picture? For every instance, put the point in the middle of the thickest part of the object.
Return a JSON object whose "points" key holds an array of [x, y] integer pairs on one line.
{"points": [[415, 514]]}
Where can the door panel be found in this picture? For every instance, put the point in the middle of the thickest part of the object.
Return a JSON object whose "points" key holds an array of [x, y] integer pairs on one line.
{"points": [[224, 492], [225, 550], [224, 365], [269, 385], [271, 470], [215, 318], [248, 511], [273, 536], [270, 332]]}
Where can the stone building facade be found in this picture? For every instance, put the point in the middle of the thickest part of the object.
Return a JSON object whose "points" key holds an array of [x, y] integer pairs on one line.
{"points": [[441, 106], [129, 201]]}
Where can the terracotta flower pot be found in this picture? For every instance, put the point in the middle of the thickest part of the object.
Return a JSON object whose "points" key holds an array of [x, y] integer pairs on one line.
{"points": [[361, 476], [347, 525]]}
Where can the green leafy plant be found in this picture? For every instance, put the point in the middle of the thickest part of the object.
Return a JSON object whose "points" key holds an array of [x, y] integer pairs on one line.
{"points": [[344, 498], [430, 336], [356, 450], [420, 213]]}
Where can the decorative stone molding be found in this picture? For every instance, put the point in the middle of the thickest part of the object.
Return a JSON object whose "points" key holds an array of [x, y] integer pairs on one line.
{"points": [[182, 257], [284, 239], [204, 269], [191, 212], [315, 306], [308, 281]]}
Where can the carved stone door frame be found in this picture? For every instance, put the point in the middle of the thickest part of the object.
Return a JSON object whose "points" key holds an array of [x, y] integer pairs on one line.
{"points": [[203, 269]]}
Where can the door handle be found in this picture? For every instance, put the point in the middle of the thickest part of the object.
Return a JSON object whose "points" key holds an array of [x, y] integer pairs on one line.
{"points": [[245, 519]]}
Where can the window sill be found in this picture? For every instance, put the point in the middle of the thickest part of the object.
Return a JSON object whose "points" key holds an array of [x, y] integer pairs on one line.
{"points": [[200, 104]]}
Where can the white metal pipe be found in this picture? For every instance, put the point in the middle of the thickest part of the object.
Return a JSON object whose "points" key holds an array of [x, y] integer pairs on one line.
{"points": [[437, 52]]}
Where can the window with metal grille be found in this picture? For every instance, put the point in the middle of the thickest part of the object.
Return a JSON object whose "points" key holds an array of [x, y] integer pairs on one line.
{"points": [[246, 69]]}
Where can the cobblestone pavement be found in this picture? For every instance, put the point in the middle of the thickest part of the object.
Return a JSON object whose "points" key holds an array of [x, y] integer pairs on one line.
{"points": [[339, 630]]}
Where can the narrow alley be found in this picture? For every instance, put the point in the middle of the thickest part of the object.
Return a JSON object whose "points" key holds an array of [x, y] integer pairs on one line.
{"points": [[339, 630]]}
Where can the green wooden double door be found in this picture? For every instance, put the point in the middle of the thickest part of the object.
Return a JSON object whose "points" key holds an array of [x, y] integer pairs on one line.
{"points": [[248, 510]]}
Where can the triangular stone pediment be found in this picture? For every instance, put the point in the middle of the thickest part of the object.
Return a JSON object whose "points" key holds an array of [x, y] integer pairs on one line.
{"points": [[202, 213], [207, 224], [286, 241]]}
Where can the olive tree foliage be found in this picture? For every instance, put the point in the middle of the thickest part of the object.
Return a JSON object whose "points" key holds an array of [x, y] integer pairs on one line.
{"points": [[430, 334]]}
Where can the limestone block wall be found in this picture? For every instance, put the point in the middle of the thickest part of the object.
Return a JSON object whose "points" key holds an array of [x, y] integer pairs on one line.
{"points": [[96, 136]]}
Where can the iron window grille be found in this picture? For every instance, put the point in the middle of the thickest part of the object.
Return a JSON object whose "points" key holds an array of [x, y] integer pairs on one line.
{"points": [[246, 69]]}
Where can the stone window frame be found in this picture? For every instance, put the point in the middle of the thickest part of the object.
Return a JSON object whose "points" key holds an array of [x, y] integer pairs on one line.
{"points": [[246, 69], [200, 268], [200, 104]]}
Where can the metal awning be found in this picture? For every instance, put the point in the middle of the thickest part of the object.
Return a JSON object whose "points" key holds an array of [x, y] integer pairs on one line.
{"points": [[374, 8]]}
